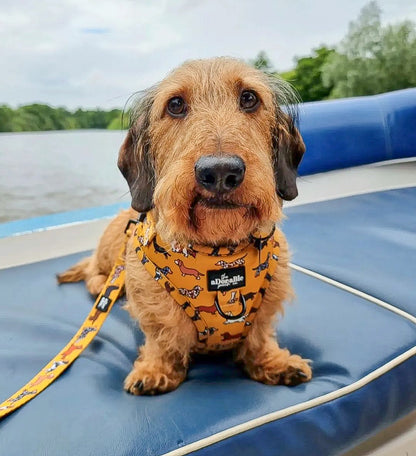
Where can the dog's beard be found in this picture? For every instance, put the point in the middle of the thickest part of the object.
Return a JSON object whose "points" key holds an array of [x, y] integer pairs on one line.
{"points": [[219, 202], [221, 220], [188, 215]]}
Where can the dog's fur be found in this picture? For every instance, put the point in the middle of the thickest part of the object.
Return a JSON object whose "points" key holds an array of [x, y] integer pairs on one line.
{"points": [[157, 158]]}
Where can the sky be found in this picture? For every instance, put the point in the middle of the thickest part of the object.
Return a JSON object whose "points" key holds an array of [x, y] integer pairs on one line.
{"points": [[96, 53]]}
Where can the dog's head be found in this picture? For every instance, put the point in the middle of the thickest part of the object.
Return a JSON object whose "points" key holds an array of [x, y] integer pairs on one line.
{"points": [[211, 149]]}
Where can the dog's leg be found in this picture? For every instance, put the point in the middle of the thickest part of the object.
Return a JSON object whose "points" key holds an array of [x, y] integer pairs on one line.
{"points": [[163, 360], [95, 269], [260, 353], [75, 273], [88, 270], [156, 371], [106, 254], [266, 362], [170, 334], [94, 278]]}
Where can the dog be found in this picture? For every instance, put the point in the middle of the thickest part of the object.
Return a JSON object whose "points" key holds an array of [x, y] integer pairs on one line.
{"points": [[211, 154]]}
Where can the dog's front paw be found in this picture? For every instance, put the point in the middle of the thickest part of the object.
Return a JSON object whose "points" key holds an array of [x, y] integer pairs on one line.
{"points": [[150, 380], [298, 371], [287, 370]]}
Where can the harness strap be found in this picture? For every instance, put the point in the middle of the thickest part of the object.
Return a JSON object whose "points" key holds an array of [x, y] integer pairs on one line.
{"points": [[84, 336], [219, 288]]}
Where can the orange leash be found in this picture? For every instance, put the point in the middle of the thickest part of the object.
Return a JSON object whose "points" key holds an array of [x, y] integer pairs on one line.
{"points": [[86, 333]]}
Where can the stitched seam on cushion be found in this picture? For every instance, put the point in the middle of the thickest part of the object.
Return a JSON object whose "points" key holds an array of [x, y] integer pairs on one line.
{"points": [[275, 416], [352, 194], [354, 291]]}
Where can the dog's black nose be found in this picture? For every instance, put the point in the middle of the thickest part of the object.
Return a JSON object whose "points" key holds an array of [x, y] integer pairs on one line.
{"points": [[220, 173]]}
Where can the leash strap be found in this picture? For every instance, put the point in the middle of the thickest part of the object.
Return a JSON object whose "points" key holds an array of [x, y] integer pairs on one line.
{"points": [[86, 333]]}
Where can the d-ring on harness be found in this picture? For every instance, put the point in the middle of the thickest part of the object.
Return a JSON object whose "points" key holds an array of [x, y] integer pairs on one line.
{"points": [[232, 317]]}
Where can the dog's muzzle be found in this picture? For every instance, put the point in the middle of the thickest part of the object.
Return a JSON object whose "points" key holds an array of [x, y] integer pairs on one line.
{"points": [[220, 173]]}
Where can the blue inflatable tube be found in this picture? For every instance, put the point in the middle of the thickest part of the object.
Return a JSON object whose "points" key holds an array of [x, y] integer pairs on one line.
{"points": [[357, 131]]}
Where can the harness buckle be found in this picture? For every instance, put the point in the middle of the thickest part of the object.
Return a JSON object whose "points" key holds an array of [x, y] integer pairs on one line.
{"points": [[130, 222], [141, 217]]}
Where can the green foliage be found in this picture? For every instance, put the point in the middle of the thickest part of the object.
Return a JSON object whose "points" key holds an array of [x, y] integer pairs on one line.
{"points": [[115, 124], [306, 77], [262, 62], [39, 117], [371, 58], [116, 120], [6, 116]]}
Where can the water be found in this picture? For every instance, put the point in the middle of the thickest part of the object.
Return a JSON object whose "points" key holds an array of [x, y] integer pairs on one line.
{"points": [[49, 172]]}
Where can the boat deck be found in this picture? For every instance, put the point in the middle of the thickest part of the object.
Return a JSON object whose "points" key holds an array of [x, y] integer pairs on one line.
{"points": [[350, 318]]}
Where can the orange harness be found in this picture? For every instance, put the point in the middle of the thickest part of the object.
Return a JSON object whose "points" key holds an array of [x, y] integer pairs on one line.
{"points": [[219, 288]]}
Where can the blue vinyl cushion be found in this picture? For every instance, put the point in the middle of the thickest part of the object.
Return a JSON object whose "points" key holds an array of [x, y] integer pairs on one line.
{"points": [[366, 241], [86, 412]]}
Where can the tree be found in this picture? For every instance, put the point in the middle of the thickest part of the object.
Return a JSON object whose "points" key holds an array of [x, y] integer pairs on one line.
{"points": [[117, 121], [262, 62], [371, 58], [40, 117], [306, 77], [6, 118]]}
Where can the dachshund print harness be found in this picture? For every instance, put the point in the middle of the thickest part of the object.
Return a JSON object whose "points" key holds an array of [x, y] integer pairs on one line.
{"points": [[219, 288]]}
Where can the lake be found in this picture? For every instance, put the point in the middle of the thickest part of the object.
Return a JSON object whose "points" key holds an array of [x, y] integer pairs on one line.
{"points": [[48, 172]]}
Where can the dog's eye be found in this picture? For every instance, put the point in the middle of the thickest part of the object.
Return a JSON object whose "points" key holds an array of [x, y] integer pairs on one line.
{"points": [[177, 107], [249, 100]]}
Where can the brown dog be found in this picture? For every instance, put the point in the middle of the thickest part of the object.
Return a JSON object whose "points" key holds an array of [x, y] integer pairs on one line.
{"points": [[224, 116]]}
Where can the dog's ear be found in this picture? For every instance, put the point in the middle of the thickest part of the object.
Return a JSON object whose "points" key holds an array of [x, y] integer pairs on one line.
{"points": [[288, 150], [136, 164]]}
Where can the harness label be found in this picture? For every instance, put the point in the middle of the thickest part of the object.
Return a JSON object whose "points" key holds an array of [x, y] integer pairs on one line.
{"points": [[103, 304], [226, 279]]}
